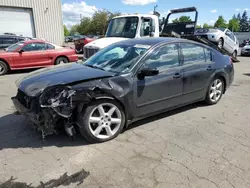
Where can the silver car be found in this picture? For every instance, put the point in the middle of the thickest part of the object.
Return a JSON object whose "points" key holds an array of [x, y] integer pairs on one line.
{"points": [[224, 38]]}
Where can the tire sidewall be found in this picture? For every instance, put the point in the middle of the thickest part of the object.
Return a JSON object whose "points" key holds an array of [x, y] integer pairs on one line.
{"points": [[5, 67], [208, 100], [84, 117], [235, 54]]}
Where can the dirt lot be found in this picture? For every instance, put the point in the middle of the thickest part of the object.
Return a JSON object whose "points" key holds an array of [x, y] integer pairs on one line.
{"points": [[196, 146]]}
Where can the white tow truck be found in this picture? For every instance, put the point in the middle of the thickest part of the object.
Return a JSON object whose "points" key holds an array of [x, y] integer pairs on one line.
{"points": [[125, 27]]}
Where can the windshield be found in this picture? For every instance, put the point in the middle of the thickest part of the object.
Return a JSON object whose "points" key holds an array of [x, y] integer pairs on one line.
{"points": [[14, 47], [222, 29], [122, 27], [118, 58]]}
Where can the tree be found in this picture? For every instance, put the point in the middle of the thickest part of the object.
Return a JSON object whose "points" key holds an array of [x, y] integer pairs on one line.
{"points": [[239, 16], [66, 31], [220, 23], [182, 19], [74, 29], [198, 26], [234, 24], [206, 26], [84, 27], [244, 24]]}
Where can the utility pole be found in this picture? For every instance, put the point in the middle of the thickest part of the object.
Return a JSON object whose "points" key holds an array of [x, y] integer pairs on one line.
{"points": [[155, 8], [80, 18]]}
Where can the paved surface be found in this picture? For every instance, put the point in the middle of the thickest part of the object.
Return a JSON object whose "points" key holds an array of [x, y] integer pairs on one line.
{"points": [[196, 146]]}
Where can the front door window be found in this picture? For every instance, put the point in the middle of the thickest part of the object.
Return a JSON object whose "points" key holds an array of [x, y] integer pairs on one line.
{"points": [[34, 47]]}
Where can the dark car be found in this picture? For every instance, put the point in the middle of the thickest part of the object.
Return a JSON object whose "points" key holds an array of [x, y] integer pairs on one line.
{"points": [[122, 83], [7, 40], [69, 39]]}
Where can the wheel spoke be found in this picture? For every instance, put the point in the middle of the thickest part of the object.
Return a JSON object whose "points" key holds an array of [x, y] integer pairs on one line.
{"points": [[111, 111], [219, 84], [115, 120], [215, 83], [212, 95], [109, 131], [98, 130], [218, 92], [94, 119], [101, 110]]}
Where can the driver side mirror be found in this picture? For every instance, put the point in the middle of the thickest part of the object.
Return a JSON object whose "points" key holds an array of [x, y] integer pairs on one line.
{"points": [[147, 72], [20, 51]]}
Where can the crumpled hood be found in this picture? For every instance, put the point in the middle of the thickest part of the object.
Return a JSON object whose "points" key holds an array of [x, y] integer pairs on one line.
{"points": [[103, 42], [35, 82]]}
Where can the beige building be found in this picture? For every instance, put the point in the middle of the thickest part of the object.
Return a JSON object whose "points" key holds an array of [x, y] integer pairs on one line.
{"points": [[33, 18]]}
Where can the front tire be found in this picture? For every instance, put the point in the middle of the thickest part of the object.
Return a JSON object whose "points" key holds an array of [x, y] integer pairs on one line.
{"points": [[220, 43], [101, 121], [3, 68], [215, 91], [61, 60]]}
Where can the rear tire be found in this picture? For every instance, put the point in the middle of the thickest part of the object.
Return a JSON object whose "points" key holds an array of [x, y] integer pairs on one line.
{"points": [[61, 60], [234, 54], [215, 91], [99, 127], [3, 68]]}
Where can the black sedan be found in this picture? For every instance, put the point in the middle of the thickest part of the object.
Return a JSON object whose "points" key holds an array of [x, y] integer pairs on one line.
{"points": [[124, 82]]}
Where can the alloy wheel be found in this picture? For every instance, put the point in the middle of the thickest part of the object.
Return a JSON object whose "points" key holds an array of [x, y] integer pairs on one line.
{"points": [[105, 120], [216, 90]]}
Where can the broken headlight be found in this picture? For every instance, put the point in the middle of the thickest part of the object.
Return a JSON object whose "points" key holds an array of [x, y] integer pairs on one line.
{"points": [[58, 98]]}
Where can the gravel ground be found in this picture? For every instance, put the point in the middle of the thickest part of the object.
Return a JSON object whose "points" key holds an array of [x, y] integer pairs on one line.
{"points": [[197, 146]]}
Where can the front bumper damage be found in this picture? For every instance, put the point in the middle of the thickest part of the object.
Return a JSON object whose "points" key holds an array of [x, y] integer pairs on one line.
{"points": [[46, 118]]}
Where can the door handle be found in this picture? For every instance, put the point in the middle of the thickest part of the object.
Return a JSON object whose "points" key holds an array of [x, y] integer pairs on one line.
{"points": [[177, 75], [209, 68]]}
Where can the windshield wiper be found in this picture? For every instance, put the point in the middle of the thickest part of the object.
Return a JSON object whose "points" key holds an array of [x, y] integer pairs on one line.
{"points": [[95, 67]]}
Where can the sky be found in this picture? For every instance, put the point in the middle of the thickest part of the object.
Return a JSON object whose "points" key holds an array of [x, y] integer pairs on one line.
{"points": [[209, 10]]}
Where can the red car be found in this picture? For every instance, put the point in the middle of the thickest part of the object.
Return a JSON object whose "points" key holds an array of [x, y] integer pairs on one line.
{"points": [[80, 43], [34, 54]]}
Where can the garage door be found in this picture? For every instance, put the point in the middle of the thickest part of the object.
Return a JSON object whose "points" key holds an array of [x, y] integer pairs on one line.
{"points": [[16, 20]]}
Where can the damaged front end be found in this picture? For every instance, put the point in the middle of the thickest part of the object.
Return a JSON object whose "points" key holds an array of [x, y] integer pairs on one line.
{"points": [[59, 106], [49, 111], [56, 108]]}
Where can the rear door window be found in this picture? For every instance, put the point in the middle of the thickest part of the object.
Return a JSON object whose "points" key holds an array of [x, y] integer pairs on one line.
{"points": [[193, 54], [50, 47], [8, 41], [208, 55]]}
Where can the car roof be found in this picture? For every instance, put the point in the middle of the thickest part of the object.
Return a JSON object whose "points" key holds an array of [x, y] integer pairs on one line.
{"points": [[11, 36], [31, 41], [152, 40]]}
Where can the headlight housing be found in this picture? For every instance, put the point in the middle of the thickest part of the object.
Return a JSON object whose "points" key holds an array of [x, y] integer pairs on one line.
{"points": [[59, 98]]}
